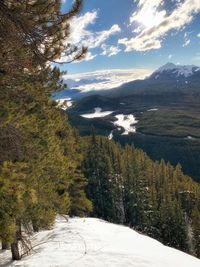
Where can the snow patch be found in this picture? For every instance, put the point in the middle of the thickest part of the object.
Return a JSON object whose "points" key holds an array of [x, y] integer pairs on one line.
{"points": [[126, 122], [152, 109], [89, 242], [110, 137], [64, 103], [98, 113]]}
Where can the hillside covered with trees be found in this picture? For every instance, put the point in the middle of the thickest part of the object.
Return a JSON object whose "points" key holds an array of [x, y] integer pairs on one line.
{"points": [[127, 187], [47, 169]]}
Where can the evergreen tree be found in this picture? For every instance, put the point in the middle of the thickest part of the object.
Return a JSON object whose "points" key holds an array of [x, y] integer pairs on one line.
{"points": [[152, 197], [39, 170], [195, 216]]}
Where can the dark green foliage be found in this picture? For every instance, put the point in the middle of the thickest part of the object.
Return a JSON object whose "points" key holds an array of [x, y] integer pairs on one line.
{"points": [[196, 229], [172, 149], [162, 133], [39, 159], [155, 198]]}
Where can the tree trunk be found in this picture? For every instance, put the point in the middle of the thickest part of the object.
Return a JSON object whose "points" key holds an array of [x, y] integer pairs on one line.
{"points": [[5, 245], [15, 251], [35, 228], [15, 245], [190, 235]]}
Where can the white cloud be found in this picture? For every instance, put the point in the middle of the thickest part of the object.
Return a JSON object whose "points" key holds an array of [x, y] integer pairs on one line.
{"points": [[82, 36], [156, 23], [89, 56], [98, 38], [148, 15], [198, 35], [104, 79], [79, 26], [186, 42], [170, 57], [110, 50]]}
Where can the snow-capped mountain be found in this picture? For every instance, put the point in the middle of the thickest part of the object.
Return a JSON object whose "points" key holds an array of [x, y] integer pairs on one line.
{"points": [[89, 242], [169, 78], [176, 71]]}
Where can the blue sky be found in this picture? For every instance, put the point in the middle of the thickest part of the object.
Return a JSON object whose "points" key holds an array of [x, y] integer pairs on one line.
{"points": [[135, 34]]}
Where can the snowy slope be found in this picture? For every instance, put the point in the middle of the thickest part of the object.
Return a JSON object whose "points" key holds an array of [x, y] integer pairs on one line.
{"points": [[95, 243], [98, 113], [179, 70]]}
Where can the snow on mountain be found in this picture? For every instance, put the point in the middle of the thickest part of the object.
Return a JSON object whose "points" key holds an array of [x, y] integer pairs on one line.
{"points": [[152, 109], [126, 122], [183, 70], [88, 242], [64, 103], [98, 113]]}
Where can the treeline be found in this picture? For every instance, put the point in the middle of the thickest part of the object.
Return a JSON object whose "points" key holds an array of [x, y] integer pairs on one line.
{"points": [[39, 157], [43, 161], [127, 187]]}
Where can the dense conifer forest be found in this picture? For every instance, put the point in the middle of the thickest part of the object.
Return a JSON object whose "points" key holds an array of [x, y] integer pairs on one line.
{"points": [[127, 187], [46, 168]]}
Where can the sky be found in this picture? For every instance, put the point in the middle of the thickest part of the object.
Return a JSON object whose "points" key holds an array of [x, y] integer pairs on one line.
{"points": [[128, 39]]}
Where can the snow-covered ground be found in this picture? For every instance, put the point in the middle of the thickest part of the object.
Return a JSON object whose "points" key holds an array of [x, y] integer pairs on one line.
{"points": [[87, 242], [64, 103], [126, 122], [153, 109], [110, 137], [98, 113]]}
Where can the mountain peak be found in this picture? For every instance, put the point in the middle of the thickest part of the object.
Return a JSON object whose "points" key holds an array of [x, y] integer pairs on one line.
{"points": [[167, 66], [178, 70]]}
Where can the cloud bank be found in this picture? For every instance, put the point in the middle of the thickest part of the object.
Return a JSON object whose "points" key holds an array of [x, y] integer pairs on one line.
{"points": [[104, 79], [110, 50]]}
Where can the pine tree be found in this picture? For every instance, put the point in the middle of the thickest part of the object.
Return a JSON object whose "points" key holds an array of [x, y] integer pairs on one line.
{"points": [[196, 229], [38, 32], [39, 170], [95, 168], [155, 197]]}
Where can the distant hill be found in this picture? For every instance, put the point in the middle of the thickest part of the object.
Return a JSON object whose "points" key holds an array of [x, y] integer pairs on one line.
{"points": [[167, 108], [169, 78]]}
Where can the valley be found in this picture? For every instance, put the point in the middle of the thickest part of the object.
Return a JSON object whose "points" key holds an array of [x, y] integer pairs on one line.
{"points": [[168, 120]]}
